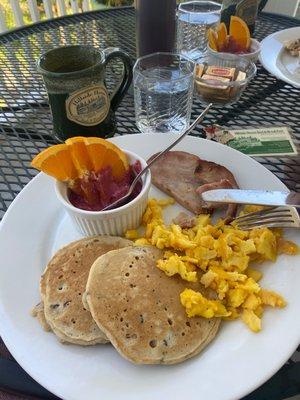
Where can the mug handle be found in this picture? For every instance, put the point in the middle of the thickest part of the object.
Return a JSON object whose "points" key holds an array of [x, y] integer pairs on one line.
{"points": [[121, 90]]}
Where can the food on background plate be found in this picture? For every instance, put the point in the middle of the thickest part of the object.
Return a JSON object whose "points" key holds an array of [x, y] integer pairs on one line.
{"points": [[293, 47], [62, 286], [237, 41], [220, 257], [96, 171], [138, 308], [183, 176]]}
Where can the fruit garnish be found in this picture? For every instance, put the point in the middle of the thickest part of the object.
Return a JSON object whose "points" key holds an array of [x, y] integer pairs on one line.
{"points": [[212, 39], [79, 156], [239, 31], [237, 41], [79, 153], [233, 46], [95, 170], [96, 190], [56, 161], [111, 155], [221, 36]]}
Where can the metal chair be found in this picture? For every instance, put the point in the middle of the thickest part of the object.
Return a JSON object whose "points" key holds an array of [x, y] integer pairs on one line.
{"points": [[52, 9], [286, 7]]}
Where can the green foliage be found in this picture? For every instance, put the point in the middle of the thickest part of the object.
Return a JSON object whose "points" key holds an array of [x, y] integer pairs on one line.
{"points": [[9, 16], [96, 4], [115, 3]]}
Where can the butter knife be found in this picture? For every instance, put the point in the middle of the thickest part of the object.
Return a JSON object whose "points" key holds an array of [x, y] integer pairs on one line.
{"points": [[257, 197]]}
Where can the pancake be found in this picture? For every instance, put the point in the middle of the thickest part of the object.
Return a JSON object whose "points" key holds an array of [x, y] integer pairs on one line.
{"points": [[63, 284], [138, 307], [38, 312]]}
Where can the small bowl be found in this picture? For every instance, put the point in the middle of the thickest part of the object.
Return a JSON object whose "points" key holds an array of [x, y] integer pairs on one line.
{"points": [[111, 222], [224, 93], [252, 56]]}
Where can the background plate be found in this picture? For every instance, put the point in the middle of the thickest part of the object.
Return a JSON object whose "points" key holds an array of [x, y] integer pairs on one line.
{"points": [[234, 364], [277, 60]]}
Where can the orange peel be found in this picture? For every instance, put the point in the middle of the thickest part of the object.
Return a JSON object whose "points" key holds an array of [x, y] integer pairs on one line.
{"points": [[221, 35], [212, 39], [239, 31], [79, 155]]}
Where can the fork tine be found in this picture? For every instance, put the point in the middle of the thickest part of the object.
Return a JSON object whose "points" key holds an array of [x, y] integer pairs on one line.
{"points": [[275, 217], [264, 210], [268, 225], [274, 211], [266, 221], [282, 217]]}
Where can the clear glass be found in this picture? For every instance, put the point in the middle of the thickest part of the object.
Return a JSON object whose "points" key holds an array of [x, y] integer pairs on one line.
{"points": [[163, 92], [194, 20], [224, 93]]}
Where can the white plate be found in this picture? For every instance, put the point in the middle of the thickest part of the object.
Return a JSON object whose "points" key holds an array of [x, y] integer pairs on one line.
{"points": [[234, 364], [277, 60]]}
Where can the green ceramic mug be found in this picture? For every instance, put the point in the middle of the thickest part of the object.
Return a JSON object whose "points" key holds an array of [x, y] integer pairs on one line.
{"points": [[74, 77]]}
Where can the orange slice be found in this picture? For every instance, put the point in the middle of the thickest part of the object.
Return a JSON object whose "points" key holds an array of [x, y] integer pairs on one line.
{"points": [[56, 161], [239, 31], [103, 153], [221, 36], [79, 154], [212, 39]]}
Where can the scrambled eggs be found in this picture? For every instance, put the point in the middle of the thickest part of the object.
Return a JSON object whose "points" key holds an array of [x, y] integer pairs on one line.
{"points": [[218, 256]]}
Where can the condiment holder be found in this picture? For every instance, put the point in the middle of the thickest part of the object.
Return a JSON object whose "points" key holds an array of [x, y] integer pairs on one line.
{"points": [[252, 55], [111, 222], [222, 78]]}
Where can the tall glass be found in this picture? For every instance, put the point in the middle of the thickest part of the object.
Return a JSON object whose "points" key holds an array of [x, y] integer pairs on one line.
{"points": [[163, 92], [194, 20], [155, 26]]}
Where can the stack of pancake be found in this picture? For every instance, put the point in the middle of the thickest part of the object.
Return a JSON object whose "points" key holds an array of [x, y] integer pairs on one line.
{"points": [[103, 289]]}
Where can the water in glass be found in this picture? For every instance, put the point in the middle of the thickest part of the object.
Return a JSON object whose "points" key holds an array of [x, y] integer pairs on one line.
{"points": [[163, 91], [194, 20]]}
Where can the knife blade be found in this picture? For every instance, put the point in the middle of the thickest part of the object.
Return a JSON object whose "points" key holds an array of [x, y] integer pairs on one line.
{"points": [[258, 197]]}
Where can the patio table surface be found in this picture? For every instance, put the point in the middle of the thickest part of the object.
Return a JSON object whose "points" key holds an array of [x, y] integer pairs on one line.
{"points": [[26, 124]]}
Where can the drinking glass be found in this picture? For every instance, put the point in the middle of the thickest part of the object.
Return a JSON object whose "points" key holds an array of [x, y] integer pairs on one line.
{"points": [[163, 92], [162, 16], [194, 20]]}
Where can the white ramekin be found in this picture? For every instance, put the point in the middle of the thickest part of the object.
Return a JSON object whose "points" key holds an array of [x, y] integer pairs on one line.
{"points": [[111, 222], [252, 56]]}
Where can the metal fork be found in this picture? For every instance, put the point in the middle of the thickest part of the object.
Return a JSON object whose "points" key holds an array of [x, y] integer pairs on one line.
{"points": [[273, 217], [137, 178]]}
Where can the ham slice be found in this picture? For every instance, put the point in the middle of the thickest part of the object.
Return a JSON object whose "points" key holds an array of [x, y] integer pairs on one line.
{"points": [[185, 221], [209, 172], [181, 175], [222, 184], [173, 173]]}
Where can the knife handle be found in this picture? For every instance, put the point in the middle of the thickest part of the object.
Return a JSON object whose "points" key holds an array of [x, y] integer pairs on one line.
{"points": [[14, 379]]}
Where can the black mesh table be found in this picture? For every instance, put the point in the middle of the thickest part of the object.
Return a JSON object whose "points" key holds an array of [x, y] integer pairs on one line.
{"points": [[26, 126]]}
